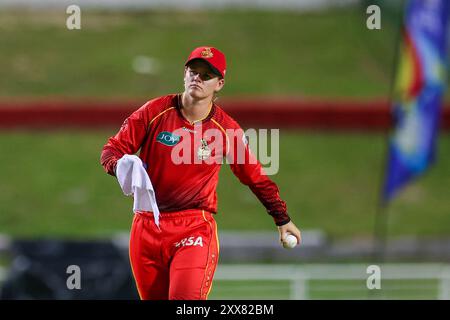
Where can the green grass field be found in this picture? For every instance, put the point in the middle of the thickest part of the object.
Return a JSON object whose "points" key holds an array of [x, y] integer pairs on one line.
{"points": [[330, 281], [326, 290], [53, 185], [279, 53], [52, 182]]}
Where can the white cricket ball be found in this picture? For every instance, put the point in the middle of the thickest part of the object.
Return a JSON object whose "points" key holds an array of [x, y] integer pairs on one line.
{"points": [[290, 242]]}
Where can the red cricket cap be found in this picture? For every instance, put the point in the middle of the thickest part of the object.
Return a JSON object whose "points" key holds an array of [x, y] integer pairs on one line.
{"points": [[214, 57]]}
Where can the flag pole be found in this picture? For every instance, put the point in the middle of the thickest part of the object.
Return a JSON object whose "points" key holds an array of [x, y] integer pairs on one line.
{"points": [[381, 219], [380, 234], [380, 231]]}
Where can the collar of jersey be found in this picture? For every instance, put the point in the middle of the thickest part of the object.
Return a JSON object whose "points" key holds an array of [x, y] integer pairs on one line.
{"points": [[178, 105]]}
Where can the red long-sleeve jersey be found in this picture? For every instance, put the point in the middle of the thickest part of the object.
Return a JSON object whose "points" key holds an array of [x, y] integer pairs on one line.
{"points": [[183, 160]]}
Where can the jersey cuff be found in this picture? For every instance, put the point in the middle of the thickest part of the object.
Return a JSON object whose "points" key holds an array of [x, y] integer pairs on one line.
{"points": [[283, 222], [280, 218]]}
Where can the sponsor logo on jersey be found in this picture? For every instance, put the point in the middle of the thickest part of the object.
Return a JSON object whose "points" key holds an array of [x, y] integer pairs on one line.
{"points": [[168, 138], [190, 241], [188, 130]]}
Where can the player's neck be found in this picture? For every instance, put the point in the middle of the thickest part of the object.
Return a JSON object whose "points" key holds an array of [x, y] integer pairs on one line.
{"points": [[195, 109]]}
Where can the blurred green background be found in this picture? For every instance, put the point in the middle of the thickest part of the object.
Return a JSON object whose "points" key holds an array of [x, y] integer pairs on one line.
{"points": [[53, 185], [269, 53]]}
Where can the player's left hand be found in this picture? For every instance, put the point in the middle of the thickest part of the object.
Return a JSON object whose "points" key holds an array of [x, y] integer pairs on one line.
{"points": [[289, 228]]}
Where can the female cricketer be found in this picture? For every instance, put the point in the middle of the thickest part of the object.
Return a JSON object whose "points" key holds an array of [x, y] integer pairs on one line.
{"points": [[183, 140]]}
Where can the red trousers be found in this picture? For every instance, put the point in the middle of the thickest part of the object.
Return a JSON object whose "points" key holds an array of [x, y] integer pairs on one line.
{"points": [[177, 261]]}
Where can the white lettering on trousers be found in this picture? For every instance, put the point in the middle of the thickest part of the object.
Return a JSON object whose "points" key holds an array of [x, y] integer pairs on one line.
{"points": [[190, 241]]}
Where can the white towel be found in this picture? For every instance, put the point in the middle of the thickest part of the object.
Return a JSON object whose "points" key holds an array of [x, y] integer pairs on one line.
{"points": [[134, 180]]}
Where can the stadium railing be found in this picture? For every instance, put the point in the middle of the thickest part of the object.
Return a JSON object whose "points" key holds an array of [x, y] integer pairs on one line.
{"points": [[334, 281]]}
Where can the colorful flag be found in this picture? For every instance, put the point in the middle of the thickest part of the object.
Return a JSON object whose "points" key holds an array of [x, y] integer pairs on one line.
{"points": [[418, 92]]}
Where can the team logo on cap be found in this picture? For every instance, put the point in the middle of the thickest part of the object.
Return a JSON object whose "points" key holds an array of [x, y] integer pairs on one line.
{"points": [[206, 53]]}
